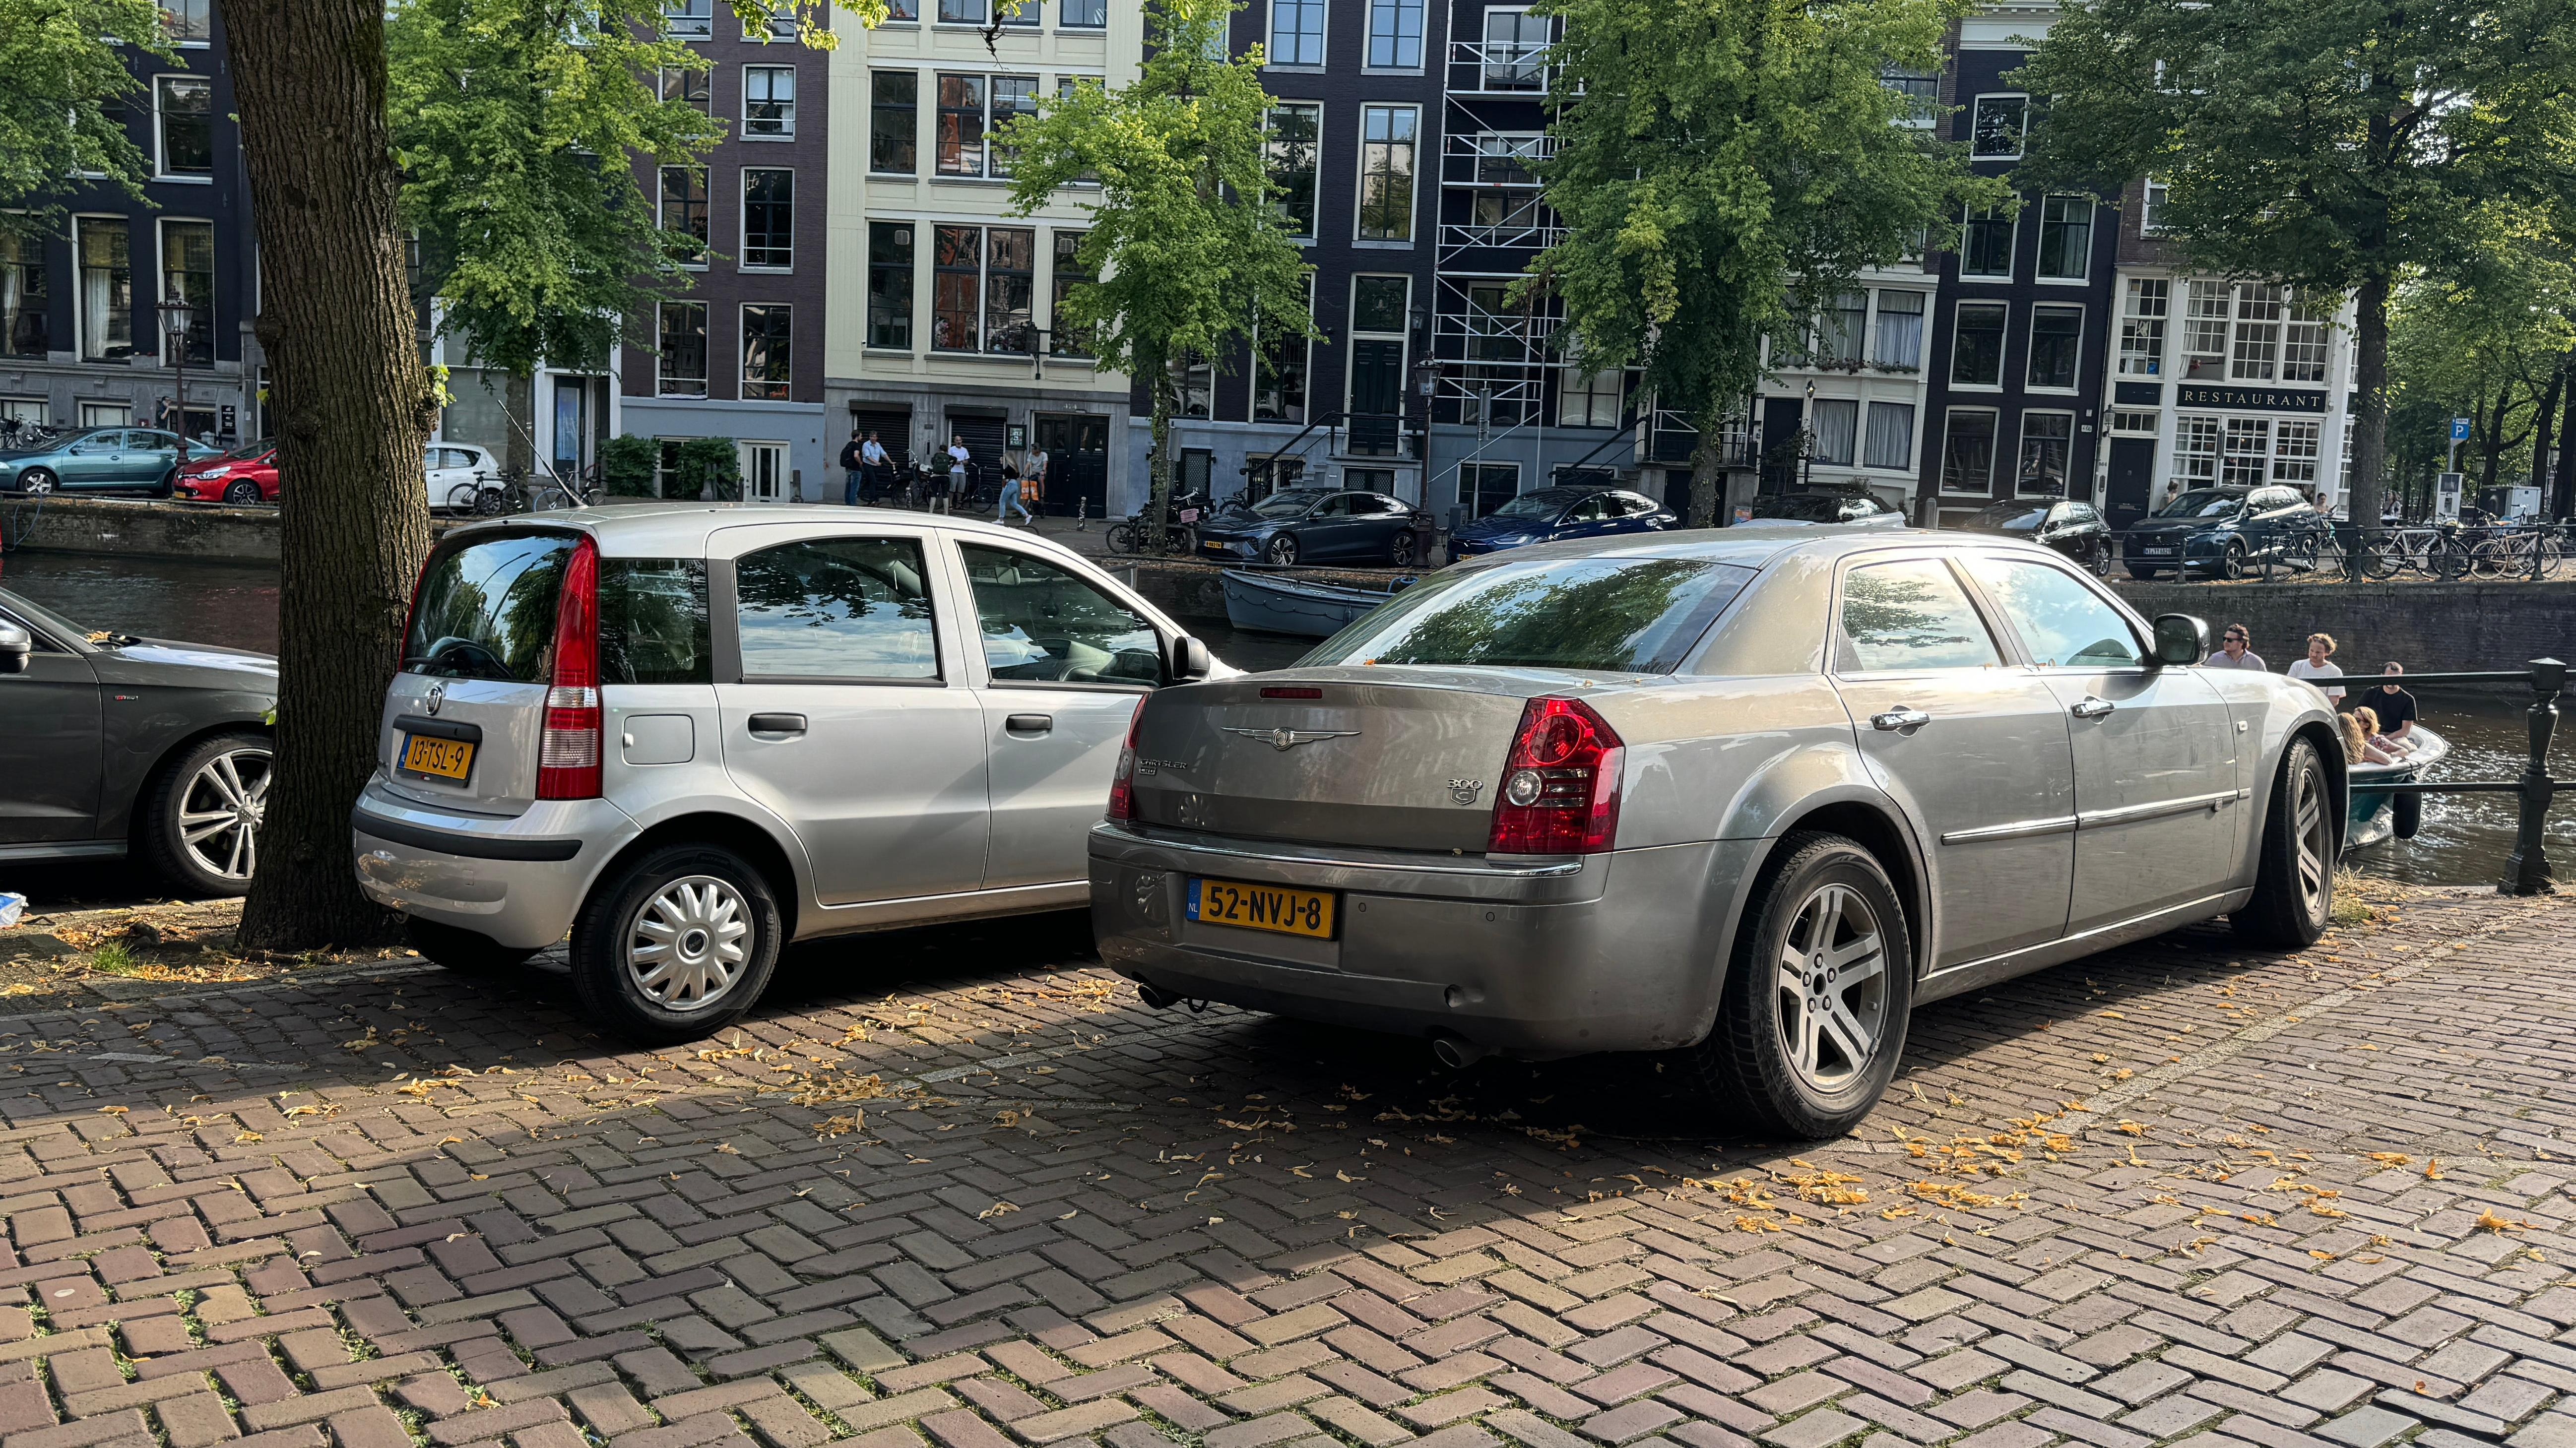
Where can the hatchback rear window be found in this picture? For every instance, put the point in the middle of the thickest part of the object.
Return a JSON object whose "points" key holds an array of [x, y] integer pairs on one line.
{"points": [[1612, 615], [486, 610]]}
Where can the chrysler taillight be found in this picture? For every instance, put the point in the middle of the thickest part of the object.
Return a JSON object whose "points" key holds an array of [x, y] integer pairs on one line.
{"points": [[1560, 791], [568, 752], [1122, 785]]}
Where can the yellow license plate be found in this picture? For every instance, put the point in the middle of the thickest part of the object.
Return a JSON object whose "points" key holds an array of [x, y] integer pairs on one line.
{"points": [[1262, 907], [446, 758]]}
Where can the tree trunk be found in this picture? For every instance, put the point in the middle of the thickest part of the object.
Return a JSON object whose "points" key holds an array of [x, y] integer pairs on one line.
{"points": [[2565, 505], [2540, 429], [1708, 469], [519, 406], [2370, 368], [1158, 472], [350, 406]]}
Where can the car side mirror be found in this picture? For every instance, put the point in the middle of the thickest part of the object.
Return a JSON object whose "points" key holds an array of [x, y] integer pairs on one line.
{"points": [[2181, 639], [1185, 660], [16, 647]]}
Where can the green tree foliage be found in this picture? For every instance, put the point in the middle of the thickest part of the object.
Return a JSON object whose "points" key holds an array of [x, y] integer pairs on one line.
{"points": [[62, 110], [2336, 144], [2490, 350], [708, 466], [627, 464], [514, 122], [1716, 155], [1190, 254]]}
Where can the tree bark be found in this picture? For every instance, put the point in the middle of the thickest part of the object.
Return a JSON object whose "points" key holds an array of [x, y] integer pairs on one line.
{"points": [[2495, 443], [1708, 477], [2565, 505], [1158, 472], [351, 405], [2540, 426], [2370, 369]]}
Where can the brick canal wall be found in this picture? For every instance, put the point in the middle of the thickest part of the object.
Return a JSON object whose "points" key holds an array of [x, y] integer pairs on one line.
{"points": [[2424, 626], [145, 528]]}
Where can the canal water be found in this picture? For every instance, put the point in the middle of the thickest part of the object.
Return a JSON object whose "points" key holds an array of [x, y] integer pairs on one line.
{"points": [[2464, 838]]}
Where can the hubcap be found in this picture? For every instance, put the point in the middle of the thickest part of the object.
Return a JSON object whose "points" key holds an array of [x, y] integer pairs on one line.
{"points": [[689, 943], [1832, 988], [2315, 837], [221, 810]]}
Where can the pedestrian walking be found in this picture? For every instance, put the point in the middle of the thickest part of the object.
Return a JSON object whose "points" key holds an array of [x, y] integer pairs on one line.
{"points": [[872, 463], [958, 458], [2235, 651], [1008, 497], [1033, 470], [852, 464], [2394, 707], [2319, 666]]}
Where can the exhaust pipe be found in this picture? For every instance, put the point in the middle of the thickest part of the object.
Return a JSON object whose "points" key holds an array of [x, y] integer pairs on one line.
{"points": [[1457, 1052], [1156, 997]]}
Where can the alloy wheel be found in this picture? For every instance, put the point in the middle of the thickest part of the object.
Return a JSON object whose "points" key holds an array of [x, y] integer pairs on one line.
{"points": [[39, 481], [2314, 834], [1832, 986], [689, 943], [222, 808]]}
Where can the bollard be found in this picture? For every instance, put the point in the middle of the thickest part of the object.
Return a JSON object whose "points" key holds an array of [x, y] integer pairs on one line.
{"points": [[2526, 870], [1081, 515]]}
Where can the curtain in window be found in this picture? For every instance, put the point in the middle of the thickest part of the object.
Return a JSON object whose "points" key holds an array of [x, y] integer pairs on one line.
{"points": [[1891, 436]]}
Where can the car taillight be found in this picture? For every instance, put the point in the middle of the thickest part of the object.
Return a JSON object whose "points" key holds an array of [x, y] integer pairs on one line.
{"points": [[1560, 791], [568, 752], [1122, 785]]}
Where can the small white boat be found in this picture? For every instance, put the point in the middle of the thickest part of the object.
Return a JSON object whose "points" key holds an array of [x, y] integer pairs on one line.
{"points": [[1272, 603], [2376, 816]]}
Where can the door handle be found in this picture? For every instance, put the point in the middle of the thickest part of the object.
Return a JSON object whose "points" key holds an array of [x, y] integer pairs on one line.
{"points": [[1900, 721], [2091, 708], [1029, 723], [777, 723]]}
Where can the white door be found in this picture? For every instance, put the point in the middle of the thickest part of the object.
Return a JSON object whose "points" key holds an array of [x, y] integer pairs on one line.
{"points": [[764, 472]]}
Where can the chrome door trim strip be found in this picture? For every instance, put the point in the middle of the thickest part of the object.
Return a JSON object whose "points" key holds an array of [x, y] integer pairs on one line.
{"points": [[2131, 814], [2017, 829], [1994, 969]]}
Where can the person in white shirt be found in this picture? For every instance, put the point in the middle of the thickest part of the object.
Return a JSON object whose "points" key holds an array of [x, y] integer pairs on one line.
{"points": [[2234, 651], [2317, 667], [956, 468], [873, 462]]}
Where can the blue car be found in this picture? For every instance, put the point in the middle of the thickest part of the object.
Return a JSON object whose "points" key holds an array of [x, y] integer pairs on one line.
{"points": [[1547, 514], [101, 459]]}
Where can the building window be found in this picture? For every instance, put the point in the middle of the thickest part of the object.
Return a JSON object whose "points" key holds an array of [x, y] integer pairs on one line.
{"points": [[890, 285], [2204, 330], [781, 24], [903, 12], [1194, 395], [982, 283], [25, 328], [961, 12], [1296, 32], [768, 218], [1013, 96], [1515, 51], [689, 88], [1083, 15], [1921, 89], [1836, 424], [1890, 442], [1841, 327], [2151, 206], [2196, 449], [765, 351], [1986, 244], [2065, 237], [769, 102], [188, 275], [1294, 143], [187, 129], [2047, 442], [2143, 305], [1968, 452], [684, 209], [2257, 355], [1395, 34], [1064, 339], [681, 368], [190, 22], [2294, 452], [2249, 451], [2056, 344], [689, 19], [1900, 332], [1483, 487], [971, 107], [106, 289], [1977, 353], [2133, 422], [1995, 133], [1589, 401], [2303, 340], [1386, 172], [894, 120], [1022, 16]]}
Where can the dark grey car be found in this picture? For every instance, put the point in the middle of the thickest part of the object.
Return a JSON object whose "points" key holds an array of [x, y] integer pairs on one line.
{"points": [[112, 744]]}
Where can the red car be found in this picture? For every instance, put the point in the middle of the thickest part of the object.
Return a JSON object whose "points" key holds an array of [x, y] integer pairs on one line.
{"points": [[247, 474]]}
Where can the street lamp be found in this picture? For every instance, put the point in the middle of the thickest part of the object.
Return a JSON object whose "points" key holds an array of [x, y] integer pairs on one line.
{"points": [[174, 323]]}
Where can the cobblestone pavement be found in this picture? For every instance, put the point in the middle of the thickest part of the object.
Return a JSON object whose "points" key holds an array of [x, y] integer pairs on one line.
{"points": [[959, 1188]]}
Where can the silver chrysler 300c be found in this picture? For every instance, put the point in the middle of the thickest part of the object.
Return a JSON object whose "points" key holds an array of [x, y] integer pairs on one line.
{"points": [[1748, 796]]}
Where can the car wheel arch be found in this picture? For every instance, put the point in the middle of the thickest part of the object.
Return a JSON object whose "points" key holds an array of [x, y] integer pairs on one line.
{"points": [[1876, 826], [166, 754], [2321, 736], [745, 837]]}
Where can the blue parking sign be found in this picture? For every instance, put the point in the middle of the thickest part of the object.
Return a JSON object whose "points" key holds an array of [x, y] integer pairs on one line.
{"points": [[2459, 429]]}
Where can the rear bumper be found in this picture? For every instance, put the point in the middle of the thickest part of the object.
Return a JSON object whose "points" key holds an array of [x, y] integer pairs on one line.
{"points": [[1616, 952], [519, 880]]}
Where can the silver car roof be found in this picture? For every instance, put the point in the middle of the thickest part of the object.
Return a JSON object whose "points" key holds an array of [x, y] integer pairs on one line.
{"points": [[680, 529]]}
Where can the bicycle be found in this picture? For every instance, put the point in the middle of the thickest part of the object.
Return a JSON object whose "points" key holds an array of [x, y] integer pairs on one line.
{"points": [[2434, 552], [2524, 553]]}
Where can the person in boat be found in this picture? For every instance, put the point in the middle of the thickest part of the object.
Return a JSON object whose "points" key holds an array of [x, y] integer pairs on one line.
{"points": [[2394, 706], [2318, 667], [2357, 745]]}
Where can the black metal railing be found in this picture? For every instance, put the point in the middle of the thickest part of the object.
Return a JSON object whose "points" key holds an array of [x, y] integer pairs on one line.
{"points": [[2438, 552], [2526, 870]]}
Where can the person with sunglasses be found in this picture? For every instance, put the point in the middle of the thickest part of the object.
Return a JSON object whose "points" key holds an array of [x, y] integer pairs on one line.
{"points": [[2235, 650]]}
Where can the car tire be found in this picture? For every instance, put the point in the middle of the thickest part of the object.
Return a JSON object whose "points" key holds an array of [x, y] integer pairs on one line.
{"points": [[2233, 564], [2101, 558], [1282, 551], [38, 480], [1819, 888], [167, 487], [721, 918], [2294, 878], [1399, 549], [216, 792], [463, 951], [242, 493]]}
